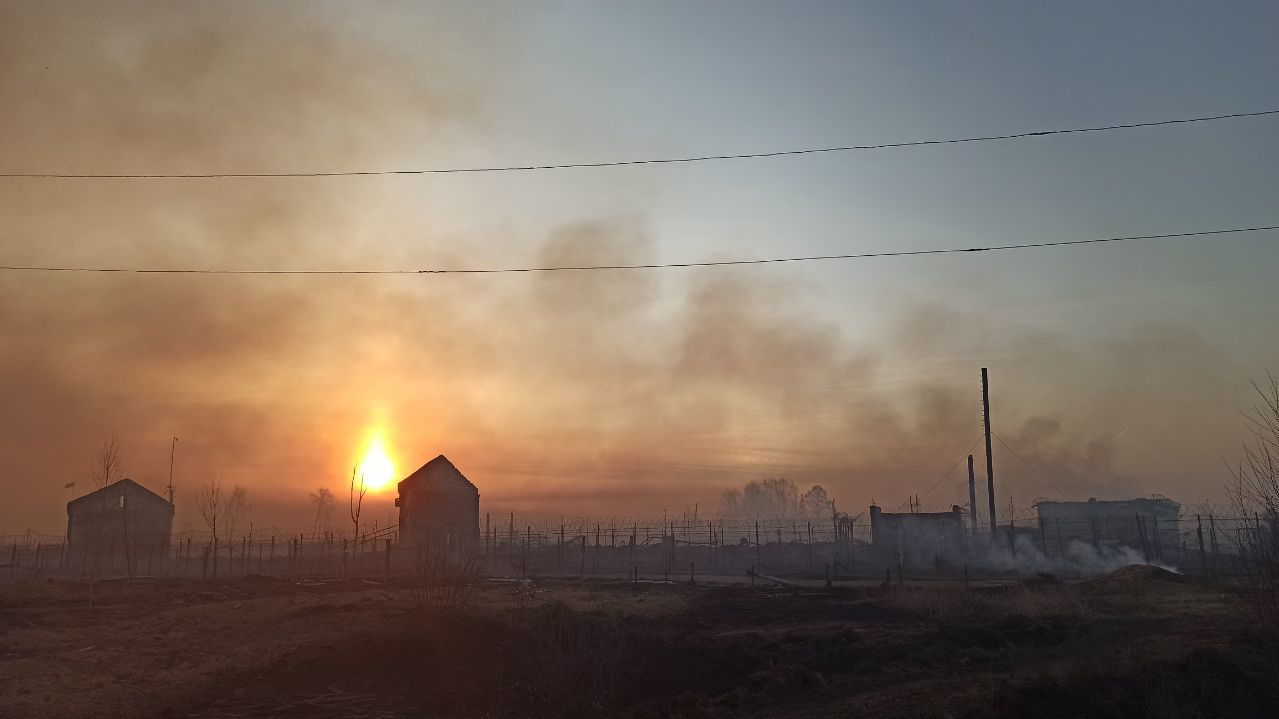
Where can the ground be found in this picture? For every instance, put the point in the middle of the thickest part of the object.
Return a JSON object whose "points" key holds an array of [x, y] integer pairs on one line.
{"points": [[1139, 643]]}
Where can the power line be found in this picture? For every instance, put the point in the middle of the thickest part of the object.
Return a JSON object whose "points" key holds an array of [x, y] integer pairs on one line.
{"points": [[947, 474], [1028, 464], [656, 266], [623, 163]]}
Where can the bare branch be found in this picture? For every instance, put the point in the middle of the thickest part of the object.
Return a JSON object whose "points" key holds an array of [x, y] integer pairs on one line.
{"points": [[107, 463]]}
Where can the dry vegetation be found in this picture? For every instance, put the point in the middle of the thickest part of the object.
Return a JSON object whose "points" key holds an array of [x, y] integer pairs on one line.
{"points": [[1139, 643]]}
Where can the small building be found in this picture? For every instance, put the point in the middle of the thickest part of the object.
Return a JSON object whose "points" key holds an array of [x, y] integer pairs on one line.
{"points": [[439, 507], [122, 529], [918, 538], [1145, 523]]}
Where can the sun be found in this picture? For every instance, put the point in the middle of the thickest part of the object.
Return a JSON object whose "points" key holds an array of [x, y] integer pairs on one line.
{"points": [[376, 467]]}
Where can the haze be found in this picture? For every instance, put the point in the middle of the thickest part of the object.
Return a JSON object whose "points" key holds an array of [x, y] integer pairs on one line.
{"points": [[1117, 370]]}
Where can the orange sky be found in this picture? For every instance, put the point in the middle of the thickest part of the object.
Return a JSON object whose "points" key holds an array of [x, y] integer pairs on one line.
{"points": [[616, 393]]}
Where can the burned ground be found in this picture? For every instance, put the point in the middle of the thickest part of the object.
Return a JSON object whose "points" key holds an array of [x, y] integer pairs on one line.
{"points": [[1135, 644]]}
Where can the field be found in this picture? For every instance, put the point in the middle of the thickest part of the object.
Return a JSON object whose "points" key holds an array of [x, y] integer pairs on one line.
{"points": [[1139, 642]]}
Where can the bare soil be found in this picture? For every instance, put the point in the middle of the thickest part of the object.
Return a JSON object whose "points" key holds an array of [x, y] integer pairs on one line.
{"points": [[1134, 644]]}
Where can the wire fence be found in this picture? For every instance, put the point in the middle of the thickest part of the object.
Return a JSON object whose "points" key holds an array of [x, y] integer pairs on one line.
{"points": [[941, 545]]}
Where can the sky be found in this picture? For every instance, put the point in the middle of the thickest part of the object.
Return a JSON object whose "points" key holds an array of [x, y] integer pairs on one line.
{"points": [[1117, 370]]}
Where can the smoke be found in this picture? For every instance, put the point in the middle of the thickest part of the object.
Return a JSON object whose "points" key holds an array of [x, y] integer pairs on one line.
{"points": [[613, 392], [1077, 559]]}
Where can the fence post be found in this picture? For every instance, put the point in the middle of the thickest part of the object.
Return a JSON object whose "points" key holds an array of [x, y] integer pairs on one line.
{"points": [[1199, 533], [758, 563], [1141, 533], [1154, 531]]}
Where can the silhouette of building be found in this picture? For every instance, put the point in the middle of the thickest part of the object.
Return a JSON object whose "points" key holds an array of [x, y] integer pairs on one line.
{"points": [[122, 529], [918, 538], [1148, 523], [439, 507]]}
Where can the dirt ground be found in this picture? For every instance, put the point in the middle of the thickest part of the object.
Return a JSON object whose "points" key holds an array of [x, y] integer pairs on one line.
{"points": [[1140, 643]]}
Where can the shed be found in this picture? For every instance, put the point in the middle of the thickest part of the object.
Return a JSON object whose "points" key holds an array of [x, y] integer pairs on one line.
{"points": [[439, 507], [918, 538], [1137, 523], [120, 529]]}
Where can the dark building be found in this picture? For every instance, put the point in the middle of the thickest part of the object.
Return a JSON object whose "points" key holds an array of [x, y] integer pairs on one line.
{"points": [[1148, 523], [918, 538], [439, 507], [122, 529]]}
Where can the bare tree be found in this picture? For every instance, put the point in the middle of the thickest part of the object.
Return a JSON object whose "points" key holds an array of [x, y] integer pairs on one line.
{"points": [[323, 501], [730, 503], [774, 497], [1254, 491], [355, 500], [209, 501], [237, 508], [107, 462], [1254, 485], [815, 503]]}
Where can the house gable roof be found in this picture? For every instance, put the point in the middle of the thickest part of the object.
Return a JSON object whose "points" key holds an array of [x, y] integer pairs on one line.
{"points": [[118, 488], [440, 467]]}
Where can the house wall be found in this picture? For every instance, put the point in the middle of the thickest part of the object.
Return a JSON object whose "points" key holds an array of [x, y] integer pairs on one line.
{"points": [[123, 530], [1112, 522], [439, 510], [918, 539]]}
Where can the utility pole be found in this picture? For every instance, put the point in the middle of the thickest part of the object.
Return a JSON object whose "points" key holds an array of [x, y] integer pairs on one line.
{"points": [[990, 461], [972, 498], [173, 447]]}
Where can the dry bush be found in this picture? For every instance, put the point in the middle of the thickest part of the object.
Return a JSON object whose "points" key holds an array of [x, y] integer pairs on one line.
{"points": [[1254, 491], [575, 660], [444, 582]]}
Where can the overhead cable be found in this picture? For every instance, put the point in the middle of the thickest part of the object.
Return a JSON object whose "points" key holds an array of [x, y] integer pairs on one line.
{"points": [[654, 266], [625, 163]]}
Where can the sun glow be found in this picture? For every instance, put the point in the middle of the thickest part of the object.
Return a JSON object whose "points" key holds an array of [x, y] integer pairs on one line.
{"points": [[376, 467]]}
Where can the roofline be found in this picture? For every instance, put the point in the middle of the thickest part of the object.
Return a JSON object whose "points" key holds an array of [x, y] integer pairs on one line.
{"points": [[133, 482], [445, 460]]}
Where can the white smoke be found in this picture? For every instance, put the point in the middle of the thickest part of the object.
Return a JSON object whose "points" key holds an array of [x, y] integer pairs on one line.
{"points": [[1078, 559]]}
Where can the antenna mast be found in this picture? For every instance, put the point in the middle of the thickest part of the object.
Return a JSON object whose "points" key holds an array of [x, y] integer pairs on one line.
{"points": [[173, 447]]}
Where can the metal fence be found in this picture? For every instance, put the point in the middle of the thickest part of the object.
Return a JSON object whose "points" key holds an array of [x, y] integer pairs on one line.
{"points": [[670, 548]]}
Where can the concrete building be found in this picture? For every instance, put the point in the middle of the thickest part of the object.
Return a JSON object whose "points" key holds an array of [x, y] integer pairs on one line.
{"points": [[918, 538], [1145, 523], [122, 529], [439, 507]]}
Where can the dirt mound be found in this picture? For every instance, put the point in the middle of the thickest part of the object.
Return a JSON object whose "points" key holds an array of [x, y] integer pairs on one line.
{"points": [[1137, 573]]}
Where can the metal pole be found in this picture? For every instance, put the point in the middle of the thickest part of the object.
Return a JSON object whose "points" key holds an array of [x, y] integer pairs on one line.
{"points": [[173, 447]]}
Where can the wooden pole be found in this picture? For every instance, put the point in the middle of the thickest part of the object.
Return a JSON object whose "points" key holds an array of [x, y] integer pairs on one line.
{"points": [[757, 559], [1203, 557], [1141, 531], [1154, 535], [972, 498], [990, 460]]}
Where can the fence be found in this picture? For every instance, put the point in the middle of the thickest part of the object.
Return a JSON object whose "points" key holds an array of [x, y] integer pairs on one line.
{"points": [[837, 547]]}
